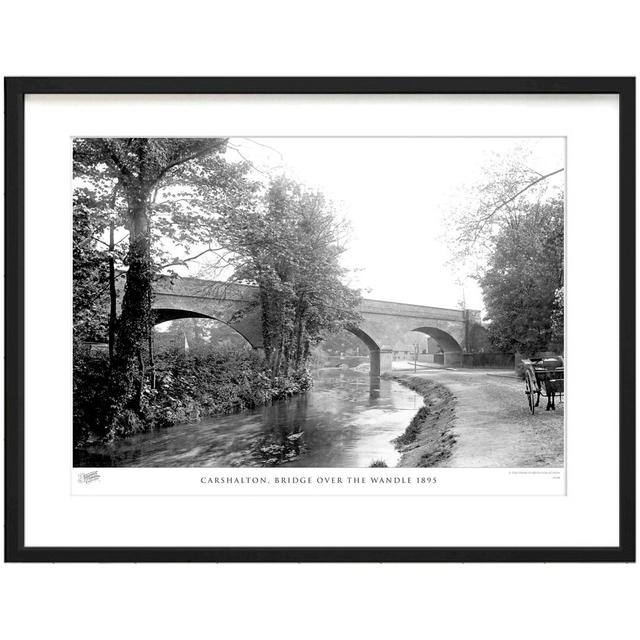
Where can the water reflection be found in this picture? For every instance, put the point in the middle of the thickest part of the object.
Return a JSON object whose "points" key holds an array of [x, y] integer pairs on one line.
{"points": [[374, 389], [347, 420]]}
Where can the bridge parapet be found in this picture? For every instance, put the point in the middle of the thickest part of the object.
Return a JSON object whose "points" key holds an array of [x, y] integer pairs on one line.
{"points": [[402, 309], [207, 289]]}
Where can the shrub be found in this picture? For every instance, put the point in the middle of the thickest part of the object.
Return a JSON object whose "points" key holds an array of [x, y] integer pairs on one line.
{"points": [[188, 388], [90, 380]]}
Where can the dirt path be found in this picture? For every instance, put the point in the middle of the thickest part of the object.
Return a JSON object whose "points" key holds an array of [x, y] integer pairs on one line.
{"points": [[492, 424]]}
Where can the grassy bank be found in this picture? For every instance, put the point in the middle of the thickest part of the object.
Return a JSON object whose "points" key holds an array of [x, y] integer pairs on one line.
{"points": [[187, 389], [428, 441]]}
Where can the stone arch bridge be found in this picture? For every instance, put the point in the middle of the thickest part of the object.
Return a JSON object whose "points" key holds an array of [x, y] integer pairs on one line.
{"points": [[383, 326]]}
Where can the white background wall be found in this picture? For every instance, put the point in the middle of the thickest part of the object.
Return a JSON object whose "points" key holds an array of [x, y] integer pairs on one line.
{"points": [[327, 38]]}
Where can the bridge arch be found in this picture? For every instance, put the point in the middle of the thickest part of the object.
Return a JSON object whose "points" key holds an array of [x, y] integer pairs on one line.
{"points": [[443, 338], [365, 337], [166, 315], [449, 345], [380, 359]]}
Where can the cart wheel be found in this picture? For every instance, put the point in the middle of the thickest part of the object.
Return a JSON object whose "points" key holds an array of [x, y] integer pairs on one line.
{"points": [[531, 394]]}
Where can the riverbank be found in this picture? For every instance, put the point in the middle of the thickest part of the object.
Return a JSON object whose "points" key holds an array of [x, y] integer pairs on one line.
{"points": [[428, 441], [188, 388], [346, 420]]}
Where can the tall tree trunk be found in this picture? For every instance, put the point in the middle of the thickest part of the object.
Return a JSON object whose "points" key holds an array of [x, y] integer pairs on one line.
{"points": [[287, 342], [276, 366], [152, 362], [266, 326], [112, 293], [135, 319], [137, 403], [299, 332]]}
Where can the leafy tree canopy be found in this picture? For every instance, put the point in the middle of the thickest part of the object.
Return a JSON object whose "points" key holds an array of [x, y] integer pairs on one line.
{"points": [[522, 280], [290, 247]]}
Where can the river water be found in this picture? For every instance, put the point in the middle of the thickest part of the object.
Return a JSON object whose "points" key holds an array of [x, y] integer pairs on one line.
{"points": [[346, 420]]}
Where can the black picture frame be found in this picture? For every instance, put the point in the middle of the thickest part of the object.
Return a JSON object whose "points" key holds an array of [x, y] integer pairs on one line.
{"points": [[15, 91]]}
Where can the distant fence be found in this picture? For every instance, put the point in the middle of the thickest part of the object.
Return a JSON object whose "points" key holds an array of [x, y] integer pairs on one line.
{"points": [[490, 359]]}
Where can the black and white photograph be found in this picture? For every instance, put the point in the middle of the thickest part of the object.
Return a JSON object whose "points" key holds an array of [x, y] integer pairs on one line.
{"points": [[328, 302]]}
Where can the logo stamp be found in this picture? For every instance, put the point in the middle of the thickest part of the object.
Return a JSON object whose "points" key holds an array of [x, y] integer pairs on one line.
{"points": [[88, 477]]}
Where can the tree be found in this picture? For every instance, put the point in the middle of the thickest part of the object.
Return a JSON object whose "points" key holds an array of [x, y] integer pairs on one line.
{"points": [[96, 211], [508, 235], [90, 275], [523, 276], [138, 166], [507, 184], [290, 247], [176, 202], [557, 319]]}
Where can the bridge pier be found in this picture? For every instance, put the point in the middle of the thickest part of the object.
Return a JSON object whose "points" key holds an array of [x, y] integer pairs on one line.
{"points": [[380, 361]]}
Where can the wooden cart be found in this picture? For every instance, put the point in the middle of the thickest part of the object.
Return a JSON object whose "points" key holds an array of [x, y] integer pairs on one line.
{"points": [[543, 377]]}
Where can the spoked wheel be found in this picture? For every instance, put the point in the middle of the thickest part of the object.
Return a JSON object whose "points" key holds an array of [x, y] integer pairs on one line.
{"points": [[531, 392]]}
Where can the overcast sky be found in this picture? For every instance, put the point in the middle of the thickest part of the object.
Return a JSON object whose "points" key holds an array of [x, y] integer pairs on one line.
{"points": [[398, 194]]}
